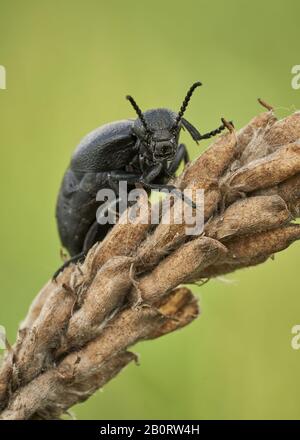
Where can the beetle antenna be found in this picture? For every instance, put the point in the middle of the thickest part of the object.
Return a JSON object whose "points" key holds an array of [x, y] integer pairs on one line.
{"points": [[138, 112], [186, 101]]}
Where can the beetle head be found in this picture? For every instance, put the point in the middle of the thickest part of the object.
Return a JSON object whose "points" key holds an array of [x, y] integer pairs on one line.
{"points": [[158, 130], [158, 140]]}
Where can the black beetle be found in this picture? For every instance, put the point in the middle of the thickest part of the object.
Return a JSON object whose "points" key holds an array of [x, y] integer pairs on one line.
{"points": [[144, 151]]}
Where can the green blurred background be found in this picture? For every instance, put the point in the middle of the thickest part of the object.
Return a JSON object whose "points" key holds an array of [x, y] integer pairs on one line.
{"points": [[69, 65]]}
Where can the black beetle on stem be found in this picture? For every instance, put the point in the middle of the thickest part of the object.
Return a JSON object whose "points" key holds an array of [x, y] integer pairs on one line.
{"points": [[145, 151]]}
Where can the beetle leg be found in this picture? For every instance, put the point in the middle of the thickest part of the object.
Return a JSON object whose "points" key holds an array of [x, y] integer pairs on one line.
{"points": [[116, 176], [90, 238], [75, 259], [212, 133], [146, 182], [170, 188], [181, 155], [153, 173], [113, 183], [186, 156], [95, 233]]}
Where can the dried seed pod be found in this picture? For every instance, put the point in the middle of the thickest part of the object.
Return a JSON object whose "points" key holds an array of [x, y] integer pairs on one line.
{"points": [[81, 373], [256, 149], [6, 375], [45, 334], [283, 132], [248, 216], [262, 244], [123, 239], [207, 168], [217, 270], [127, 328], [103, 297], [296, 208], [224, 269], [252, 250], [64, 278], [258, 125], [68, 396], [249, 135], [180, 306], [265, 172], [174, 269], [280, 133], [112, 340], [38, 304], [289, 190]]}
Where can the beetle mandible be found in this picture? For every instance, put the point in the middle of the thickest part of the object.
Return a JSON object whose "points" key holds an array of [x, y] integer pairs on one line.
{"points": [[145, 151]]}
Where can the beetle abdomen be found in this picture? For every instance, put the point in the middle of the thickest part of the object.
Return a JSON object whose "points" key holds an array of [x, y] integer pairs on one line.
{"points": [[106, 148], [76, 208]]}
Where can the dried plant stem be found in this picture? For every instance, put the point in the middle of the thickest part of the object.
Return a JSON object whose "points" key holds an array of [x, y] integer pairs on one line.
{"points": [[76, 335]]}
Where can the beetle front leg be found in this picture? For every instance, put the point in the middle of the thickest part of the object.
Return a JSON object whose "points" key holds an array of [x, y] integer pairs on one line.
{"points": [[146, 182], [129, 177], [216, 131], [181, 155], [114, 177], [124, 175]]}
